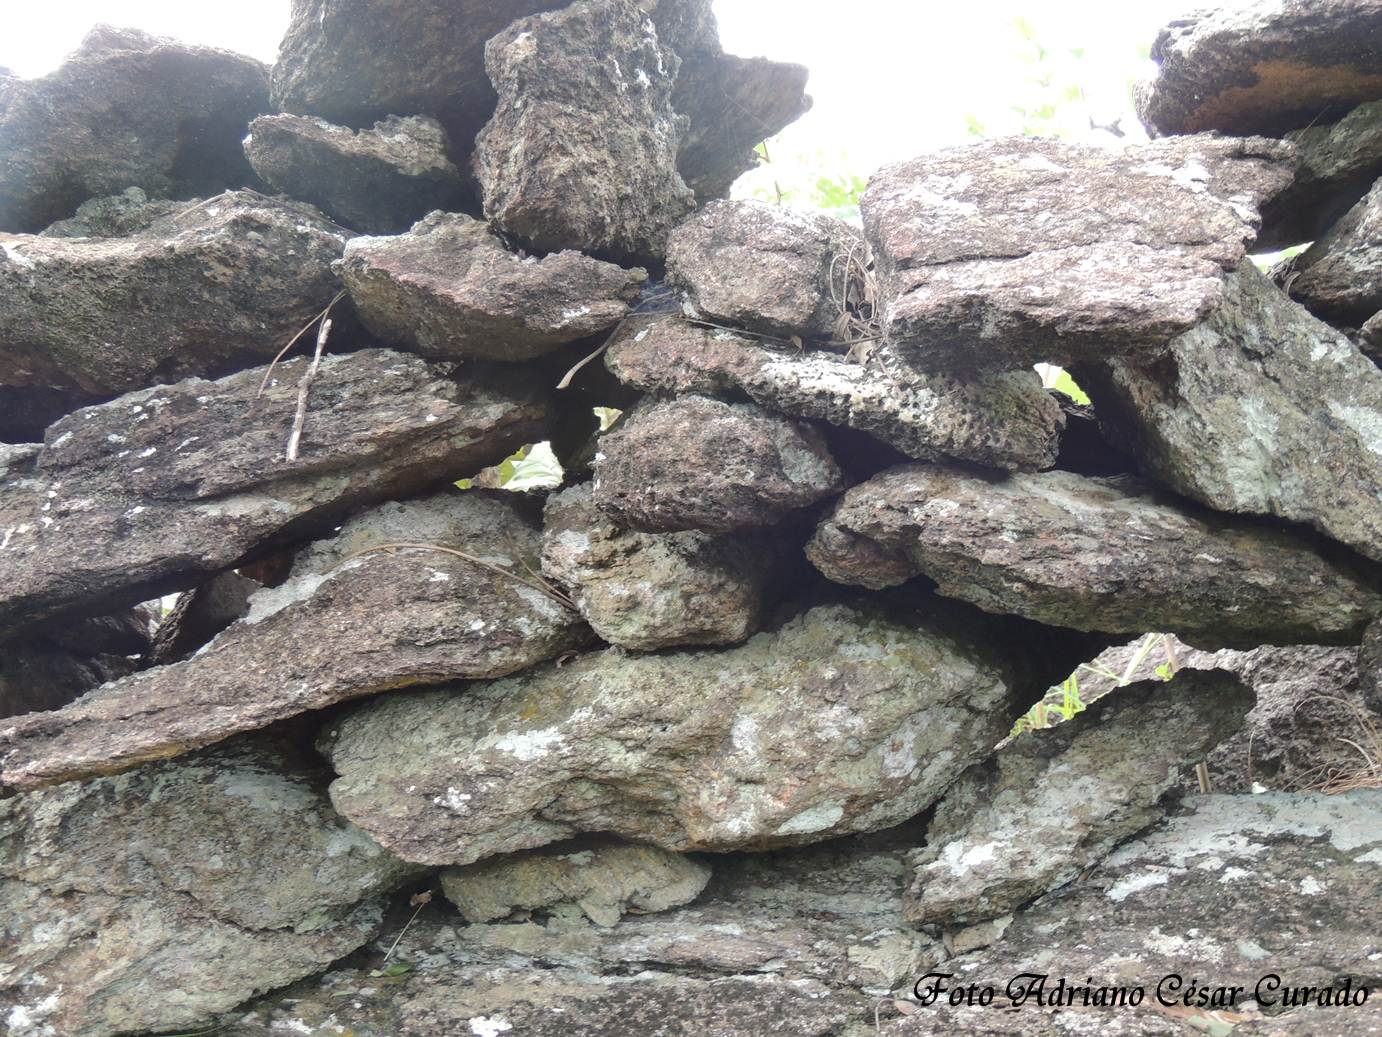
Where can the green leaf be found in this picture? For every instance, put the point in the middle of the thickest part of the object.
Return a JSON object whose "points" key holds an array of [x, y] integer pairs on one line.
{"points": [[1065, 384]]}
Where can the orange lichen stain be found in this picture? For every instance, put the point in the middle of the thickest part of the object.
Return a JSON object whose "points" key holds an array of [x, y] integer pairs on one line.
{"points": [[1313, 89]]}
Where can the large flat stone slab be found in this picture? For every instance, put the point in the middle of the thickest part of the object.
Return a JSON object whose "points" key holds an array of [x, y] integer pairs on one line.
{"points": [[1108, 554], [149, 493], [1023, 250]]}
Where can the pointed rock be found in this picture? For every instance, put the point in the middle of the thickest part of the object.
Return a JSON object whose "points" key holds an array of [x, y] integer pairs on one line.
{"points": [[647, 591], [225, 873], [149, 493], [1262, 409], [1051, 803], [211, 286], [1024, 250], [1091, 554], [449, 289], [126, 109], [698, 463], [1002, 420], [377, 181], [582, 150], [344, 625], [1263, 67], [740, 748], [1339, 277]]}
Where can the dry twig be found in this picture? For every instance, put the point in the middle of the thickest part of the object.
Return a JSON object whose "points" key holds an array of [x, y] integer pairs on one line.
{"points": [[293, 341], [304, 387]]}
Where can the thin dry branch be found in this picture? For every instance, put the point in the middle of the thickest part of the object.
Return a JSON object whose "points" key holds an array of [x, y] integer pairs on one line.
{"points": [[305, 387], [538, 584], [294, 340]]}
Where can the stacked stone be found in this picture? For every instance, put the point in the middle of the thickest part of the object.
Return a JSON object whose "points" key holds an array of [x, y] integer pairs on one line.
{"points": [[707, 740]]}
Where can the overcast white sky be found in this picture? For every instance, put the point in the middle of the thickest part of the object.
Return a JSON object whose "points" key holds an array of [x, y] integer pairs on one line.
{"points": [[891, 78]]}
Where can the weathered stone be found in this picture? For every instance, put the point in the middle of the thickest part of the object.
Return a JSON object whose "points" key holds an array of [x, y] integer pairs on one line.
{"points": [[582, 150], [199, 615], [1370, 666], [449, 289], [655, 590], [343, 626], [602, 879], [151, 901], [126, 109], [114, 216], [688, 750], [149, 493], [1263, 68], [1001, 420], [355, 61], [1105, 554], [1238, 890], [765, 267], [1051, 803], [1338, 163], [48, 668], [212, 287], [1262, 409], [377, 181], [1020, 250], [1369, 339], [697, 463], [731, 104], [1339, 277]]}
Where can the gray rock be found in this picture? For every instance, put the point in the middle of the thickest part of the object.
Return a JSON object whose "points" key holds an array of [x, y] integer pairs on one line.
{"points": [[214, 286], [602, 879], [1264, 67], [1369, 339], [114, 216], [449, 289], [765, 267], [126, 109], [813, 935], [377, 181], [1020, 250], [582, 150], [1262, 410], [1051, 803], [1370, 666], [1339, 277], [845, 719], [153, 900], [199, 615], [1000, 420], [697, 463], [1091, 554], [1338, 163], [153, 491], [655, 590], [48, 668], [343, 626], [1287, 880]]}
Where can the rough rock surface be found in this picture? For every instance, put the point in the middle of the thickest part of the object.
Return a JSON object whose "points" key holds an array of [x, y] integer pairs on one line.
{"points": [[449, 289], [582, 150], [1262, 409], [152, 900], [88, 523], [1338, 163], [1289, 880], [342, 626], [1339, 277], [199, 615], [114, 215], [1091, 554], [1022, 250], [377, 181], [698, 463], [999, 420], [601, 879], [1262, 67], [48, 668], [655, 590], [209, 288], [1370, 666], [765, 267], [1051, 803], [844, 719], [126, 109]]}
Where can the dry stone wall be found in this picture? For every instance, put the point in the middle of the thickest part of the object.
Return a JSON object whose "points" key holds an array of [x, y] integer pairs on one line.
{"points": [[745, 728]]}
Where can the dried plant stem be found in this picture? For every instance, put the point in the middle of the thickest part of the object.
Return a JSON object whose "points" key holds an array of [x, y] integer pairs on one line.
{"points": [[537, 584], [294, 340], [403, 932], [305, 387]]}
